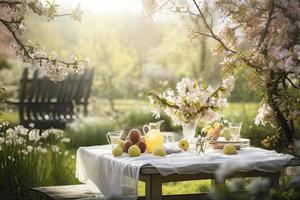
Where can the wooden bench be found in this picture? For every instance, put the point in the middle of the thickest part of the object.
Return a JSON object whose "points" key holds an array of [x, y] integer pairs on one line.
{"points": [[48, 104], [153, 182]]}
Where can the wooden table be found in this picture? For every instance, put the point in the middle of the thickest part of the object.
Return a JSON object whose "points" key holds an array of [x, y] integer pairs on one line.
{"points": [[153, 181]]}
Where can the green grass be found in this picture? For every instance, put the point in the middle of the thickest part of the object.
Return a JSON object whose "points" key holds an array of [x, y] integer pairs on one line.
{"points": [[11, 117], [182, 187]]}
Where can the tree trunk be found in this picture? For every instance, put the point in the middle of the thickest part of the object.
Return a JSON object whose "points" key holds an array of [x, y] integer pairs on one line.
{"points": [[282, 122]]}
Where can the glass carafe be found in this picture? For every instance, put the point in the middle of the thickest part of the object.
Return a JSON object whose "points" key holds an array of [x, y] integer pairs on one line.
{"points": [[153, 137]]}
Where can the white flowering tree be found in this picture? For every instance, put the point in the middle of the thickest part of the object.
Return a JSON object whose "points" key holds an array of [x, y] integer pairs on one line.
{"points": [[13, 14], [262, 35]]}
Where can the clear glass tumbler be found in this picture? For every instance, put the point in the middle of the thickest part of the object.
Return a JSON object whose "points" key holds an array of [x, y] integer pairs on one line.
{"points": [[235, 130], [113, 137]]}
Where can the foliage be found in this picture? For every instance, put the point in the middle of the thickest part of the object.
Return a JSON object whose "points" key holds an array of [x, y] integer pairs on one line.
{"points": [[13, 18], [258, 190], [30, 158], [88, 131], [4, 64]]}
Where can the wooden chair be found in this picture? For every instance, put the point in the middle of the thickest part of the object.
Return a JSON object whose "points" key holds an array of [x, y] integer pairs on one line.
{"points": [[48, 104]]}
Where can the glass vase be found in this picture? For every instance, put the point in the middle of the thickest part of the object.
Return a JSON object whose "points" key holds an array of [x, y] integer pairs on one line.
{"points": [[201, 145], [189, 130]]}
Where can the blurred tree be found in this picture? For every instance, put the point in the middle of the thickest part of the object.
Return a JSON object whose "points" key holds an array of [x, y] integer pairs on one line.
{"points": [[114, 62]]}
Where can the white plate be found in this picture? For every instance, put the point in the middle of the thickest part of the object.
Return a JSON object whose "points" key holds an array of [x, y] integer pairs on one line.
{"points": [[241, 141]]}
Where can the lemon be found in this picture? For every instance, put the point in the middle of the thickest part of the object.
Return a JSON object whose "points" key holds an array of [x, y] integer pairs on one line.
{"points": [[183, 144]]}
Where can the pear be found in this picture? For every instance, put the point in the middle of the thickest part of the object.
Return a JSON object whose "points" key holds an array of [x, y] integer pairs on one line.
{"points": [[134, 151], [159, 152], [226, 134], [121, 143], [229, 149], [183, 144], [117, 151]]}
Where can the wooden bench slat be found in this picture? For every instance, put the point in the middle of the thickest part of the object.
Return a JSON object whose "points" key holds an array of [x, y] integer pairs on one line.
{"points": [[68, 192], [42, 101]]}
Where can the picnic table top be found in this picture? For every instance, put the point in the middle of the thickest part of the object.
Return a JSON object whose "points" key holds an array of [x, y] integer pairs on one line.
{"points": [[149, 169]]}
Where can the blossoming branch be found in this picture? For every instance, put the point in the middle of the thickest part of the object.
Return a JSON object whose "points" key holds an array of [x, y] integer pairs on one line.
{"points": [[13, 18], [192, 100]]}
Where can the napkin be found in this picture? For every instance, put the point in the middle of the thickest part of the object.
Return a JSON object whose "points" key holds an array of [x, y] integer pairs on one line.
{"points": [[172, 147]]}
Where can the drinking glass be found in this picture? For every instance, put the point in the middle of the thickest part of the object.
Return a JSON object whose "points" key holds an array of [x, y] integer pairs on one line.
{"points": [[201, 145], [113, 137], [235, 130]]}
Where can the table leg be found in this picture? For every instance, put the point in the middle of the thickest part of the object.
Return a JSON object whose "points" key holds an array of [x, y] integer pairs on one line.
{"points": [[153, 187], [275, 180]]}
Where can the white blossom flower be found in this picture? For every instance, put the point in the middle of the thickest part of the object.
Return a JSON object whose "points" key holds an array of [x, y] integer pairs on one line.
{"points": [[65, 140], [210, 116], [55, 148], [76, 13], [45, 134], [265, 115], [29, 148], [34, 135], [42, 150], [20, 141], [66, 153], [24, 152], [1, 140], [228, 84], [8, 142]]}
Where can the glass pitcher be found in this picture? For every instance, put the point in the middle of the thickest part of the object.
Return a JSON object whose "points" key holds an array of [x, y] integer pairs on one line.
{"points": [[153, 137]]}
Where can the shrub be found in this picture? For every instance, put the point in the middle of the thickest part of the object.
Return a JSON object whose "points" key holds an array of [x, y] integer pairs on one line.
{"points": [[89, 131]]}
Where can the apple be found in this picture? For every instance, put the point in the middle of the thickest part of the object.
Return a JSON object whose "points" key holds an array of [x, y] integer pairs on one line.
{"points": [[134, 135], [142, 146], [127, 145]]}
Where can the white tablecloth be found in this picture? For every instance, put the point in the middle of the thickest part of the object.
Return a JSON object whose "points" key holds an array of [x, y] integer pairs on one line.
{"points": [[112, 176]]}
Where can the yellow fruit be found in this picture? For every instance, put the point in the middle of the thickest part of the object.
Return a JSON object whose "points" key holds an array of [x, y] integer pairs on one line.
{"points": [[121, 143], [215, 131], [207, 129], [229, 149], [134, 151], [226, 134], [159, 151], [117, 151], [183, 144], [216, 125]]}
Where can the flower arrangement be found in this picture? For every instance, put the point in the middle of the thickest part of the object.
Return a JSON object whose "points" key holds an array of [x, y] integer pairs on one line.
{"points": [[192, 100]]}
